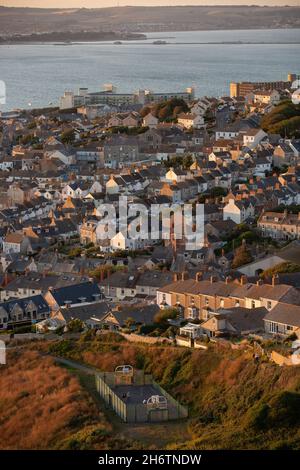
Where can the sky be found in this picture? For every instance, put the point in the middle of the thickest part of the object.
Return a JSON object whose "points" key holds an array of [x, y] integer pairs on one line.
{"points": [[113, 3]]}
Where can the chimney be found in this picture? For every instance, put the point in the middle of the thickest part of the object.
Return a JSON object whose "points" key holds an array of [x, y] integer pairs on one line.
{"points": [[275, 280], [198, 276], [175, 277], [243, 280], [227, 279], [259, 282], [212, 279], [184, 276]]}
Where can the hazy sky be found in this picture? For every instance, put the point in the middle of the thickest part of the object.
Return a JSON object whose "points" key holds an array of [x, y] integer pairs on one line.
{"points": [[110, 3]]}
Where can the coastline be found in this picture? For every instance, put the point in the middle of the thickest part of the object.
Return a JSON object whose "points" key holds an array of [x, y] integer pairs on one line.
{"points": [[93, 37]]}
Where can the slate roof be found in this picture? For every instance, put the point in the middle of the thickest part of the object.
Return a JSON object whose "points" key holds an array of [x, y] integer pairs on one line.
{"points": [[246, 319], [86, 312], [38, 300], [285, 314], [74, 293], [143, 314]]}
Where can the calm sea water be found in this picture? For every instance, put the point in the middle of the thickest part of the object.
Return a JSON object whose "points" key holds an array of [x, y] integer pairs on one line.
{"points": [[39, 74]]}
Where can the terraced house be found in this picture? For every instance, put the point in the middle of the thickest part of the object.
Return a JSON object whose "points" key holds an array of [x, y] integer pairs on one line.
{"points": [[199, 299], [23, 311], [280, 226]]}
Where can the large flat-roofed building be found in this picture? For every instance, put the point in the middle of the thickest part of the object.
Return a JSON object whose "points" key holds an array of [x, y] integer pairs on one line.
{"points": [[110, 96], [244, 88]]}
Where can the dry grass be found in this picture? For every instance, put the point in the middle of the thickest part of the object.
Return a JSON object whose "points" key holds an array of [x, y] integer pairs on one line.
{"points": [[41, 403]]}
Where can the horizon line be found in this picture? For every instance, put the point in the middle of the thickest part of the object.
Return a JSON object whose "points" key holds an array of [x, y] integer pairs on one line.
{"points": [[223, 5]]}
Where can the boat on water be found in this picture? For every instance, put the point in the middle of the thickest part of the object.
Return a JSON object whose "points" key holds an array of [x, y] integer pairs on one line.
{"points": [[159, 42], [118, 43], [65, 43]]}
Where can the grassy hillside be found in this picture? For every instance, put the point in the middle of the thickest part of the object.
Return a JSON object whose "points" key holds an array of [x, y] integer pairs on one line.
{"points": [[284, 119], [43, 406], [234, 402], [138, 18]]}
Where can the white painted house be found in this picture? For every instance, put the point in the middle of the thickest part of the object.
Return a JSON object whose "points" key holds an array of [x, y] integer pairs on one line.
{"points": [[189, 121], [252, 137], [238, 211], [150, 121]]}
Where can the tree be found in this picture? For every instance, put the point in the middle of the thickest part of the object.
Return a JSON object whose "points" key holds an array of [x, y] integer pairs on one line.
{"points": [[74, 252], [164, 315], [242, 256], [75, 325], [129, 322], [146, 110], [187, 161], [285, 267], [68, 137]]}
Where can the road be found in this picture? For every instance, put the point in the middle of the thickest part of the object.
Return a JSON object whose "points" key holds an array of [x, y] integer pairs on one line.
{"points": [[222, 117]]}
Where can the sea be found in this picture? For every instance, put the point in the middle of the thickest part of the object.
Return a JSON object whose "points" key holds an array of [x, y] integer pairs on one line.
{"points": [[36, 75]]}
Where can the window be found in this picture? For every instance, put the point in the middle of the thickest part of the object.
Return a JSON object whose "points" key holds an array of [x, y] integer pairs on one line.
{"points": [[269, 305], [273, 327], [253, 304], [192, 312]]}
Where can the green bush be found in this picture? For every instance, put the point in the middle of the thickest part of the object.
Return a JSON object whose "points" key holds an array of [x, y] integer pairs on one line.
{"points": [[258, 415]]}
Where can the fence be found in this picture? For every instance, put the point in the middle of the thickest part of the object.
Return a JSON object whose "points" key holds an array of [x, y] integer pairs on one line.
{"points": [[138, 412], [176, 410], [135, 338]]}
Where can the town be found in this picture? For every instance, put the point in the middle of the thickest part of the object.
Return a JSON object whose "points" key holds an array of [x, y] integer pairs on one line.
{"points": [[62, 271]]}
